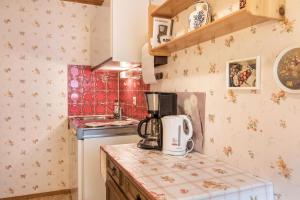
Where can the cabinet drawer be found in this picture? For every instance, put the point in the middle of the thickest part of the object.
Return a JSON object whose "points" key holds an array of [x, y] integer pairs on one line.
{"points": [[131, 190], [114, 172], [112, 190]]}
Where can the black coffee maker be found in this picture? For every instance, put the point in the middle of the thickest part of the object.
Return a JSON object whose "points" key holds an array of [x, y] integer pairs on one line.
{"points": [[150, 129]]}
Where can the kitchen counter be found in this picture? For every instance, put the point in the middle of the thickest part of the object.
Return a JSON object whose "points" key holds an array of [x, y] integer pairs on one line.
{"points": [[196, 176]]}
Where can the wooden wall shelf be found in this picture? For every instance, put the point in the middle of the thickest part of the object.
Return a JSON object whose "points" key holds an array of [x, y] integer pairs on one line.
{"points": [[171, 8], [256, 12], [92, 2]]}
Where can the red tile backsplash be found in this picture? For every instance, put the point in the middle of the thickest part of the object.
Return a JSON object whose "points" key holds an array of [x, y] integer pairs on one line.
{"points": [[130, 88], [94, 93]]}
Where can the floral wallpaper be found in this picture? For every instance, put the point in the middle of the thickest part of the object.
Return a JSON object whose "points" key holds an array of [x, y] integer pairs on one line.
{"points": [[257, 131], [39, 38]]}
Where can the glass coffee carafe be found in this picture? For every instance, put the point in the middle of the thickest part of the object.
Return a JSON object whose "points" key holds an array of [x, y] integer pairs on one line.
{"points": [[150, 129]]}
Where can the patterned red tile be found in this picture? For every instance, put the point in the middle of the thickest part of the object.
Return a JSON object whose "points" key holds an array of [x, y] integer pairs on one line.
{"points": [[74, 97], [95, 92], [128, 110], [129, 84], [88, 97], [122, 82], [128, 97], [122, 96], [140, 99], [113, 74], [99, 73], [135, 85], [87, 73], [112, 95], [100, 96], [134, 112], [88, 85], [145, 113], [74, 71], [74, 84], [100, 109], [100, 85], [112, 84], [74, 109], [88, 109], [109, 108], [134, 93]]}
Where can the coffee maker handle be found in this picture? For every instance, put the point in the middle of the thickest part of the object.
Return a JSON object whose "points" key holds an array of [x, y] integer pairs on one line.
{"points": [[189, 124], [139, 129]]}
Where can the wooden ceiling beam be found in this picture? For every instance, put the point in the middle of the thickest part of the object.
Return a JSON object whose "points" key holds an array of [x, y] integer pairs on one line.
{"points": [[92, 2]]}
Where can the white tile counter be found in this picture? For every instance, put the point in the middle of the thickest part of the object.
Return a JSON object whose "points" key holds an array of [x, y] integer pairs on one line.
{"points": [[195, 177]]}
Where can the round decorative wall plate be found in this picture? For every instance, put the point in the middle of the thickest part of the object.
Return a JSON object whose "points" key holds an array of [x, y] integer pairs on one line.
{"points": [[287, 70]]}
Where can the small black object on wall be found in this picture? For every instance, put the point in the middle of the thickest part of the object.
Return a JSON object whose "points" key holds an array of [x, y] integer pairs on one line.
{"points": [[160, 60], [159, 76]]}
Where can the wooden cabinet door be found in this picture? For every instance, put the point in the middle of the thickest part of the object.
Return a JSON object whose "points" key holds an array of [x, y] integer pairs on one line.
{"points": [[112, 190], [131, 190]]}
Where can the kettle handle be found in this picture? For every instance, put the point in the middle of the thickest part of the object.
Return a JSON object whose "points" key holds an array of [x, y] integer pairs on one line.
{"points": [[189, 124], [139, 129]]}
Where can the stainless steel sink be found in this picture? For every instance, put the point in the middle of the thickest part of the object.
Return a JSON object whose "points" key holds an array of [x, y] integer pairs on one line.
{"points": [[110, 123], [98, 117], [102, 126]]}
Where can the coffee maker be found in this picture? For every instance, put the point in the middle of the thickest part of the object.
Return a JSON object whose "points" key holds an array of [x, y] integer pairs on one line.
{"points": [[159, 104]]}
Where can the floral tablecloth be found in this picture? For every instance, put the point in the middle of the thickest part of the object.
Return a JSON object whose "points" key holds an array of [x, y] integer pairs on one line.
{"points": [[194, 177]]}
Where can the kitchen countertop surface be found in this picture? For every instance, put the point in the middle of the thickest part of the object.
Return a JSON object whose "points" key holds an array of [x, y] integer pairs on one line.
{"points": [[194, 177]]}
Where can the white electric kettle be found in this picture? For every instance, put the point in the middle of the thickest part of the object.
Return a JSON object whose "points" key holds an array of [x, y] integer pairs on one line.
{"points": [[177, 132]]}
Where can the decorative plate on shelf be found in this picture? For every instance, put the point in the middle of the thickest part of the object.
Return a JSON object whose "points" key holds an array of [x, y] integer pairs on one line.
{"points": [[287, 70]]}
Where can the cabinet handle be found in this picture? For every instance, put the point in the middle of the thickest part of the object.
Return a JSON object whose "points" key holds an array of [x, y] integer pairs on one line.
{"points": [[138, 197], [114, 171]]}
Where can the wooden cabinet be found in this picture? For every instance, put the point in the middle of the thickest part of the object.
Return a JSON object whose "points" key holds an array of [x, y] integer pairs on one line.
{"points": [[112, 190], [114, 172], [120, 186], [132, 191], [100, 35], [119, 31]]}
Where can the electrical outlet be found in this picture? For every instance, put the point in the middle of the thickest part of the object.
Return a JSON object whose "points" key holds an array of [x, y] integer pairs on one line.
{"points": [[134, 101]]}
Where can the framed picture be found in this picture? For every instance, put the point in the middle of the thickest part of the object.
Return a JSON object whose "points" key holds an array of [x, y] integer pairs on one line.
{"points": [[162, 31], [243, 74], [287, 70]]}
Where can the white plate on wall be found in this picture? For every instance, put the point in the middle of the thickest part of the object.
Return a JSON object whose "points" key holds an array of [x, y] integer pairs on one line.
{"points": [[296, 65]]}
